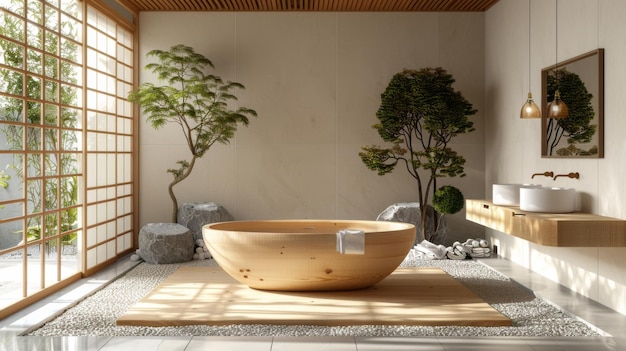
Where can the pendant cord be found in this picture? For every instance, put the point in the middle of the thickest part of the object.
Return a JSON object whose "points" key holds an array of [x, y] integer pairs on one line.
{"points": [[529, 55], [556, 44]]}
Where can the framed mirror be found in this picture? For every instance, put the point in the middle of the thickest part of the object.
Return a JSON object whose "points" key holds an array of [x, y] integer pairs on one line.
{"points": [[580, 81]]}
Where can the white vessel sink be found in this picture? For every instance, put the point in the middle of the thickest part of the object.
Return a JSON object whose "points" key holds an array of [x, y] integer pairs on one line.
{"points": [[509, 194], [549, 200]]}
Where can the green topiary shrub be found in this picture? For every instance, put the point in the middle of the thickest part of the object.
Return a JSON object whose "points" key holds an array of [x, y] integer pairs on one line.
{"points": [[448, 200]]}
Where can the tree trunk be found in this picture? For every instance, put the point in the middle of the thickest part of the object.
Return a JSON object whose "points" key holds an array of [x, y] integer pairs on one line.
{"points": [[171, 189], [423, 220], [174, 202]]}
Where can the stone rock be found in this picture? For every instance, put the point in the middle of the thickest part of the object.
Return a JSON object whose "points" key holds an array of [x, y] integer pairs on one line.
{"points": [[409, 212], [166, 243], [194, 215]]}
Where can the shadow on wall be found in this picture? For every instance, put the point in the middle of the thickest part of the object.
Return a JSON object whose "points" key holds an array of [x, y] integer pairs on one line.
{"points": [[560, 264]]}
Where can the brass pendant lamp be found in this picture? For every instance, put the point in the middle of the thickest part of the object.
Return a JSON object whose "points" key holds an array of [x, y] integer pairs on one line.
{"points": [[557, 108], [530, 108]]}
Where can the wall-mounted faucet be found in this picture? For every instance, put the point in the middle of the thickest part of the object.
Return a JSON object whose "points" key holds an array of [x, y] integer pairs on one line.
{"points": [[545, 174], [573, 175]]}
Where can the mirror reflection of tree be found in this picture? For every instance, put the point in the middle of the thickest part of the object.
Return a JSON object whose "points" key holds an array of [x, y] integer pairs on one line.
{"points": [[577, 127]]}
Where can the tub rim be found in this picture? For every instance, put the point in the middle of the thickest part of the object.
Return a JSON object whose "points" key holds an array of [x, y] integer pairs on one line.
{"points": [[307, 226]]}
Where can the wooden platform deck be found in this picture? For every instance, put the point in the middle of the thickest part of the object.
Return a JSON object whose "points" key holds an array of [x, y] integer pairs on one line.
{"points": [[409, 296]]}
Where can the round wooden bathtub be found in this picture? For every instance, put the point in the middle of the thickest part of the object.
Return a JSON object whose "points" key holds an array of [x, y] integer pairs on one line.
{"points": [[301, 255]]}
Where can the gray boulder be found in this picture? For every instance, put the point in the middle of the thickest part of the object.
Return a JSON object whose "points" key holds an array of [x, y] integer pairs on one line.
{"points": [[194, 215], [162, 243], [409, 212]]}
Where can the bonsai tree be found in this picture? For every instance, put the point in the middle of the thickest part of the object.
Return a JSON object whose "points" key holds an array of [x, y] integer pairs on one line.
{"points": [[577, 127], [192, 99], [419, 114]]}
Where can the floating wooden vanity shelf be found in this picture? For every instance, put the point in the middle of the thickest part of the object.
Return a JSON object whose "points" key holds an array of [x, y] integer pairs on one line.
{"points": [[549, 229]]}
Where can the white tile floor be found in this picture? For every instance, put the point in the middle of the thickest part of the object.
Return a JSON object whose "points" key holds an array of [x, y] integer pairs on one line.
{"points": [[607, 321]]}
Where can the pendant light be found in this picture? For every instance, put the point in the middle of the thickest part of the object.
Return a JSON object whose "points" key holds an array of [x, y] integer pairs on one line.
{"points": [[557, 108], [530, 108]]}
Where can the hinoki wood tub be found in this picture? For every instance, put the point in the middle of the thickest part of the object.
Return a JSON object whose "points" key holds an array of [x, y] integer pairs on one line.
{"points": [[301, 255]]}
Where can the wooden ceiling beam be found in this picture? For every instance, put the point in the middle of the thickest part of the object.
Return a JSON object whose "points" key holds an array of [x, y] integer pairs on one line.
{"points": [[309, 5]]}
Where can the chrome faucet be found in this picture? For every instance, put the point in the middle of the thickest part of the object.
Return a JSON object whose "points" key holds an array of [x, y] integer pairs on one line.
{"points": [[545, 174], [573, 175]]}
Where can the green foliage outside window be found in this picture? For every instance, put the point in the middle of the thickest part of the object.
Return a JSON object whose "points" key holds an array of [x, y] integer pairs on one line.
{"points": [[4, 182], [36, 117]]}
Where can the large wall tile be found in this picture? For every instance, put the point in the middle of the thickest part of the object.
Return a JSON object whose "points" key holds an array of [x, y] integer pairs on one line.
{"points": [[286, 181]]}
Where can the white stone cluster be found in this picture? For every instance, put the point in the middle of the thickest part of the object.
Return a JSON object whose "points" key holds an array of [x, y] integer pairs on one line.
{"points": [[474, 248], [477, 248], [202, 252], [136, 256]]}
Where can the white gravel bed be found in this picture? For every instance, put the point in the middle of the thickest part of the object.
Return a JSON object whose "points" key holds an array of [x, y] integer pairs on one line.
{"points": [[531, 316]]}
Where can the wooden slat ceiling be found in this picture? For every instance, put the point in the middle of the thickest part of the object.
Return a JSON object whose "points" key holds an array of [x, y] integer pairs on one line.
{"points": [[310, 5]]}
